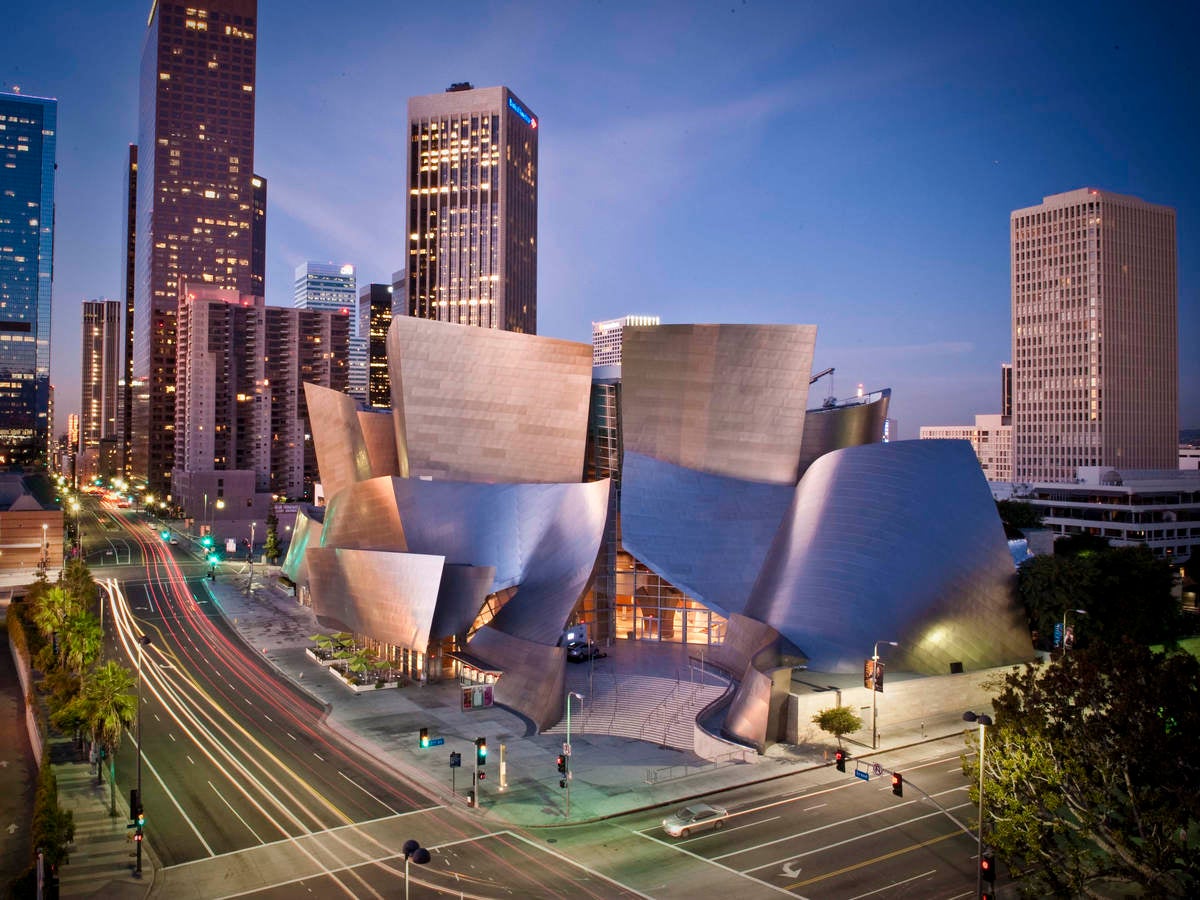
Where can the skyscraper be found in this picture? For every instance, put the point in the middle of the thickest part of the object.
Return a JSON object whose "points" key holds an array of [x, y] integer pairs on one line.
{"points": [[101, 373], [472, 209], [374, 319], [1094, 331], [331, 288], [126, 404], [28, 138], [325, 286], [196, 195], [606, 338]]}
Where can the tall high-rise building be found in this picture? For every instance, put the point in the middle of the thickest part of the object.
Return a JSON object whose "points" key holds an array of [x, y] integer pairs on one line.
{"points": [[196, 195], [1006, 391], [606, 338], [130, 232], [325, 286], [101, 372], [28, 137], [332, 288], [241, 370], [472, 209], [1094, 332], [374, 320]]}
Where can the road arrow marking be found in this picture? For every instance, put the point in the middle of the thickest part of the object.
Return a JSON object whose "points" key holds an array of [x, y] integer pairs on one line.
{"points": [[12, 828], [3, 763], [791, 870]]}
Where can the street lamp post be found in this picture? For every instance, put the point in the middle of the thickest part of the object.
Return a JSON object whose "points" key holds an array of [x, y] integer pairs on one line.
{"points": [[204, 520], [45, 546], [983, 721], [875, 692], [567, 748], [250, 580], [143, 641], [413, 852], [1078, 612]]}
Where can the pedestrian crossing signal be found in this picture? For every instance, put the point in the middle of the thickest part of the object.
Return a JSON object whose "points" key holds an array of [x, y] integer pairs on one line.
{"points": [[424, 739]]}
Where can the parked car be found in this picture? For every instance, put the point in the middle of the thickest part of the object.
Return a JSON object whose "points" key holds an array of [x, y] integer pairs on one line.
{"points": [[697, 817], [582, 651]]}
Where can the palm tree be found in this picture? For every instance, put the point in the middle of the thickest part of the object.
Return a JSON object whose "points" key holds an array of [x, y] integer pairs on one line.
{"points": [[108, 705], [53, 608], [81, 641]]}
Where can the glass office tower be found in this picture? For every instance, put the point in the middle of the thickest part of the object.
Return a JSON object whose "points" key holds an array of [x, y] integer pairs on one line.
{"points": [[28, 128], [472, 209]]}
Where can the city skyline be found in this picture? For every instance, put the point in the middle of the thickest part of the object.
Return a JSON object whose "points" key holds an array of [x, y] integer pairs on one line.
{"points": [[727, 162]]}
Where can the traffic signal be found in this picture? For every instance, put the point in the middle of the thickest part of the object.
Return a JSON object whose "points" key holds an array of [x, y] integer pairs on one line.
{"points": [[206, 541], [562, 765], [424, 739], [841, 760], [482, 776], [480, 751], [897, 784], [987, 867], [165, 535]]}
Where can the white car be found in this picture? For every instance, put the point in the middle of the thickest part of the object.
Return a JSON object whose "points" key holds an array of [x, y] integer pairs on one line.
{"points": [[697, 817]]}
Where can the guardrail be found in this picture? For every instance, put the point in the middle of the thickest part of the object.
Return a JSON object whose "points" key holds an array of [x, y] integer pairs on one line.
{"points": [[669, 773]]}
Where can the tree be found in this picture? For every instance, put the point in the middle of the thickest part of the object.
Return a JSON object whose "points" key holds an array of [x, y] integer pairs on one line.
{"points": [[271, 547], [105, 707], [837, 720], [1091, 778], [81, 641], [1126, 592], [50, 614], [1019, 514]]}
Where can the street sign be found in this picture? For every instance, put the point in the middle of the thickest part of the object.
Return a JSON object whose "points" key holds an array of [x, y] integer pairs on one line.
{"points": [[436, 742], [1058, 634], [862, 773], [876, 769]]}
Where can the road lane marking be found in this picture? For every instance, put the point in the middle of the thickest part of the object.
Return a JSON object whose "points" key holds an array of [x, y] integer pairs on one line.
{"points": [[289, 734], [811, 808], [888, 887], [318, 756], [865, 815], [221, 797], [712, 860], [882, 858], [857, 837], [369, 794], [189, 758]]}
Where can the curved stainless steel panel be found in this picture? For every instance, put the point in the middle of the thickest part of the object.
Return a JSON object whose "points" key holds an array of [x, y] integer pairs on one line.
{"points": [[337, 437], [460, 597], [379, 436], [897, 541], [364, 516], [707, 534], [837, 427], [725, 399], [478, 404], [306, 532], [534, 679], [389, 596]]}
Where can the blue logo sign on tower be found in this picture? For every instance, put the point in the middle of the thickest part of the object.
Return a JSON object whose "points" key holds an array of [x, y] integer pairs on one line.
{"points": [[522, 112]]}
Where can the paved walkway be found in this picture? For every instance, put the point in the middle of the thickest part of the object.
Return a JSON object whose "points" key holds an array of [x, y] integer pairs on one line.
{"points": [[611, 774]]}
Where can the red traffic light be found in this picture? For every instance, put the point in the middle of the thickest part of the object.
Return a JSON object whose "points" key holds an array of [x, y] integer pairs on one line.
{"points": [[987, 866], [897, 784], [841, 760]]}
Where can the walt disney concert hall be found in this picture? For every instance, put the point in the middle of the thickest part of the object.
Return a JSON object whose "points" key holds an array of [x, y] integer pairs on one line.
{"points": [[688, 496]]}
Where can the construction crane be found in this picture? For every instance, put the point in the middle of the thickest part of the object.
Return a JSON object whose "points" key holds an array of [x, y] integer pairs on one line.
{"points": [[831, 399]]}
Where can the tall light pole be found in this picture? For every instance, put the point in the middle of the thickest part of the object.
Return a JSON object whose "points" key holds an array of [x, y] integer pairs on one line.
{"points": [[1078, 612], [983, 721], [875, 692], [204, 521], [45, 546], [413, 852], [567, 746], [143, 641], [250, 580]]}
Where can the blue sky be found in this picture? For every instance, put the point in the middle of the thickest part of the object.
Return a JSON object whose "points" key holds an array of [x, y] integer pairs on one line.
{"points": [[851, 166]]}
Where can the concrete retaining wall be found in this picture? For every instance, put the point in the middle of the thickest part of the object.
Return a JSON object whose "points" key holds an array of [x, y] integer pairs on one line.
{"points": [[26, 678], [904, 706]]}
